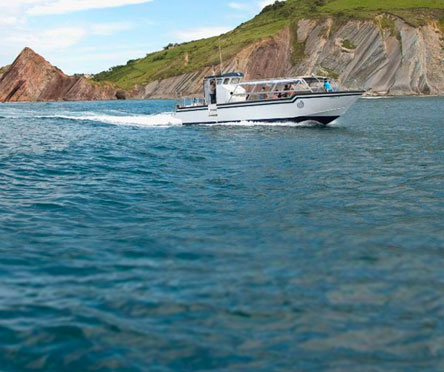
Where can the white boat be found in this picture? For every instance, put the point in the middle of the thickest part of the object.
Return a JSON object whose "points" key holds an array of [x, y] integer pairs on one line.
{"points": [[228, 99]]}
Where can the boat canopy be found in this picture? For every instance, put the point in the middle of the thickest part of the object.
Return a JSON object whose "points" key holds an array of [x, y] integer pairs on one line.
{"points": [[280, 88], [271, 81], [303, 79], [228, 74]]}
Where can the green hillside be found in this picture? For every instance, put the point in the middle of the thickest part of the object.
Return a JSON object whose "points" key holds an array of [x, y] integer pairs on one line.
{"points": [[191, 56], [3, 69]]}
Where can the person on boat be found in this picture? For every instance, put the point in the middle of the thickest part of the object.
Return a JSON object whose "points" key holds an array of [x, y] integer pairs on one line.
{"points": [[327, 86], [213, 91], [287, 92], [263, 95], [281, 94], [286, 89], [292, 91]]}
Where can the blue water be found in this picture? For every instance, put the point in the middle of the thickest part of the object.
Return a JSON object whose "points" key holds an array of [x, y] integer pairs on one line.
{"points": [[131, 243]]}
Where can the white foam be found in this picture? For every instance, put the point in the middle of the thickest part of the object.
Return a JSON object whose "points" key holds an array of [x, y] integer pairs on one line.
{"points": [[168, 120], [159, 120]]}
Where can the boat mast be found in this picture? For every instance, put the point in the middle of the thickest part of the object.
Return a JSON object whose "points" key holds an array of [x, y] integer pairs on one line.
{"points": [[220, 56]]}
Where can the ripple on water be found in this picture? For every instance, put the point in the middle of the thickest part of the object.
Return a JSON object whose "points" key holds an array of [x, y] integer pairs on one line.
{"points": [[130, 243]]}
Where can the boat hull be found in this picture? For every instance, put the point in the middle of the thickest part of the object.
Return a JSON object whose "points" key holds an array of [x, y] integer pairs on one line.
{"points": [[321, 107]]}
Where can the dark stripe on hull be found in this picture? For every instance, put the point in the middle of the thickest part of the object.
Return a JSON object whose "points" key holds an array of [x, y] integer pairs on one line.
{"points": [[320, 119]]}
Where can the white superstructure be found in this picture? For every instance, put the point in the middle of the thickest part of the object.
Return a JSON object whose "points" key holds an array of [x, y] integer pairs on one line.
{"points": [[228, 99]]}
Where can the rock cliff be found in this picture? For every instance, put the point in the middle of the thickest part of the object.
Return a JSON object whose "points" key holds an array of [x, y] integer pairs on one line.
{"points": [[386, 56], [32, 78]]}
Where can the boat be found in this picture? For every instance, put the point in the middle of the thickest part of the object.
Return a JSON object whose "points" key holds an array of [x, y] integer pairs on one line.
{"points": [[229, 99]]}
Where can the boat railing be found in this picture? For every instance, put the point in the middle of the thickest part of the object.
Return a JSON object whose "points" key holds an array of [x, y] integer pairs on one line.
{"points": [[280, 94], [269, 94], [316, 85], [268, 89], [275, 94]]}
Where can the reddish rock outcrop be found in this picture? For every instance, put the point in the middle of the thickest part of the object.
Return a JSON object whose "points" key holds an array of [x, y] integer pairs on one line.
{"points": [[32, 78]]}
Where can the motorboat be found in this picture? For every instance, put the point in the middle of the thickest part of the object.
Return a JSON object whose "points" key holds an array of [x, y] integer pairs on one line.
{"points": [[229, 99]]}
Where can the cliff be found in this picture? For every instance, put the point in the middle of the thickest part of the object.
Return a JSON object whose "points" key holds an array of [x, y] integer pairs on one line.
{"points": [[32, 78], [386, 55], [389, 47]]}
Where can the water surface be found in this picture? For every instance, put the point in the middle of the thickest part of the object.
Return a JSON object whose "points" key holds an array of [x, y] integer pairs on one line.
{"points": [[131, 243]]}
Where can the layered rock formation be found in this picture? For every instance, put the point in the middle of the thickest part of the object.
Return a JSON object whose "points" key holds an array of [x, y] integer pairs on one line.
{"points": [[387, 56], [32, 78]]}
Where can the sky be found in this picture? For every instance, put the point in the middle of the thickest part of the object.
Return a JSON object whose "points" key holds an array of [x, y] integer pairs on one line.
{"points": [[89, 36]]}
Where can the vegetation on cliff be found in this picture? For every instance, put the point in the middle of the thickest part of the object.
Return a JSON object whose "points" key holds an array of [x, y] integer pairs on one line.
{"points": [[192, 56], [4, 69]]}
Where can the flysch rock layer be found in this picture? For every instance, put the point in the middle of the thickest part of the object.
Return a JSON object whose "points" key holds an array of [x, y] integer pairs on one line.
{"points": [[400, 60], [361, 54], [32, 78]]}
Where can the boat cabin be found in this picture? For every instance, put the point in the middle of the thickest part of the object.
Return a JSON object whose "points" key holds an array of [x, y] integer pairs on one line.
{"points": [[230, 88], [220, 88]]}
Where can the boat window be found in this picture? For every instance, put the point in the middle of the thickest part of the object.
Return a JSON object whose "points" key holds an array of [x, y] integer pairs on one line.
{"points": [[219, 81], [235, 81], [226, 81], [299, 86]]}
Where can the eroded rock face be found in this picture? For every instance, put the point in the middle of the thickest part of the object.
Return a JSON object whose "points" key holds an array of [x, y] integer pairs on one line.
{"points": [[32, 78], [403, 60]]}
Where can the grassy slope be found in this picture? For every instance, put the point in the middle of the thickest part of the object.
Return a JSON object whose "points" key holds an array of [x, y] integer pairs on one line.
{"points": [[189, 57], [3, 69], [340, 5], [200, 53]]}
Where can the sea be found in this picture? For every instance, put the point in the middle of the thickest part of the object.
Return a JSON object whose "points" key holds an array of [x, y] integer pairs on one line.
{"points": [[129, 242]]}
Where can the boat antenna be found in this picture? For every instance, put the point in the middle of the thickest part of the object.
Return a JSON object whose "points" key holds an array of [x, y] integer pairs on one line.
{"points": [[220, 56]]}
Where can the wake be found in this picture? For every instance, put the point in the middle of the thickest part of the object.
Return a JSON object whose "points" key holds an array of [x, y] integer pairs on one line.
{"points": [[166, 120], [162, 120], [158, 120]]}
